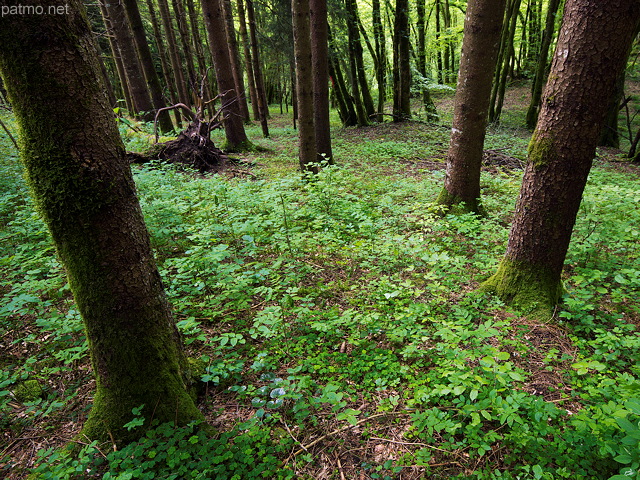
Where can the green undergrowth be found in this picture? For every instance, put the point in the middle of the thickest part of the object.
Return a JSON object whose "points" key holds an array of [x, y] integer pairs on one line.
{"points": [[343, 309]]}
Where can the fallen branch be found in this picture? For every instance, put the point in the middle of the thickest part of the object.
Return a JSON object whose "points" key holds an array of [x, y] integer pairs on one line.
{"points": [[9, 134]]}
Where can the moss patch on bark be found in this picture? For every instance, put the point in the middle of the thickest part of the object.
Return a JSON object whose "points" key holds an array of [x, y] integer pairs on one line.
{"points": [[541, 149], [453, 204], [530, 288]]}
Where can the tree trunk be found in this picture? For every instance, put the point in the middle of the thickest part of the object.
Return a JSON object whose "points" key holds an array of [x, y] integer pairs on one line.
{"points": [[320, 59], [236, 138], [84, 190], [346, 107], [304, 85], [176, 64], [166, 70], [183, 33], [144, 54], [263, 105], [236, 69], [541, 67], [360, 86], [591, 53], [381, 55], [401, 65], [421, 25], [247, 60], [482, 28], [503, 67], [126, 46]]}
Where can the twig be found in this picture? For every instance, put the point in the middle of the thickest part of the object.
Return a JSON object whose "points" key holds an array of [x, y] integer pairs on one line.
{"points": [[339, 430], [340, 470], [172, 107], [10, 136], [410, 443]]}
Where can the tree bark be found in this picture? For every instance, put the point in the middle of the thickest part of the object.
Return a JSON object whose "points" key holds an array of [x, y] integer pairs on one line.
{"points": [[359, 84], [144, 54], [126, 46], [174, 56], [236, 137], [242, 26], [320, 59], [421, 26], [482, 28], [236, 68], [401, 63], [304, 85], [591, 53], [183, 33], [84, 189], [541, 67], [381, 55], [263, 105]]}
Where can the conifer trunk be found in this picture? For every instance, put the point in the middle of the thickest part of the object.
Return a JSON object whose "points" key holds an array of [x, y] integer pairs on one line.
{"points": [[401, 64], [84, 189], [483, 24], [234, 58], [591, 52], [263, 105], [320, 59]]}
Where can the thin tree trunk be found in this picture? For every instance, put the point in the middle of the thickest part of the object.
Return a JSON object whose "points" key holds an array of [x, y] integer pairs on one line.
{"points": [[248, 62], [236, 68], [381, 54], [320, 71], [263, 105], [346, 106], [591, 53], [236, 138], [126, 46], [176, 64], [482, 28], [86, 194], [183, 33], [360, 86], [144, 54], [304, 85], [162, 53]]}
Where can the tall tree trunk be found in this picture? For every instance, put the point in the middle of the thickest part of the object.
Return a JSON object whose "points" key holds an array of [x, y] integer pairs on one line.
{"points": [[304, 85], [84, 189], [440, 66], [126, 46], [482, 28], [320, 59], [162, 53], [346, 106], [236, 137], [183, 33], [503, 67], [248, 63], [363, 99], [541, 67], [144, 54], [263, 105], [115, 53], [174, 56], [236, 68], [591, 53], [421, 25], [381, 55], [401, 65]]}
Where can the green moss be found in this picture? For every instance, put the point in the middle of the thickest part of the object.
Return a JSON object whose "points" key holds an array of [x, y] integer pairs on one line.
{"points": [[541, 150], [28, 391], [453, 204], [245, 147], [530, 288]]}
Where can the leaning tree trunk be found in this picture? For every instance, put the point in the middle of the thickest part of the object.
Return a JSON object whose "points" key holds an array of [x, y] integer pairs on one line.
{"points": [[234, 57], [84, 189], [483, 24], [236, 137], [244, 37], [591, 52], [304, 85], [320, 59]]}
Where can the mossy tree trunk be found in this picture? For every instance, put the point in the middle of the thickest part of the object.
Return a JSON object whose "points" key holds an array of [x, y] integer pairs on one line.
{"points": [[591, 52], [84, 189], [482, 28]]}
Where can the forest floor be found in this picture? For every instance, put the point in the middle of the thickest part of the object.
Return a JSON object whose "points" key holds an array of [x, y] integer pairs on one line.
{"points": [[336, 322]]}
